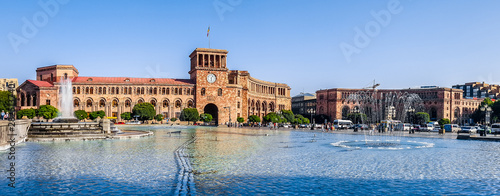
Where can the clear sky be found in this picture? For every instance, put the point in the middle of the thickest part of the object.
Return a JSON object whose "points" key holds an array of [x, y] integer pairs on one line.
{"points": [[309, 45]]}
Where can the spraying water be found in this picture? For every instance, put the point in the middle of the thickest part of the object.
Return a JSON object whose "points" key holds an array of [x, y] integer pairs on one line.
{"points": [[66, 114]]}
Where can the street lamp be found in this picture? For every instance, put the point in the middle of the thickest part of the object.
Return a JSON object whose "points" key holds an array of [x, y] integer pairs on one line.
{"points": [[487, 109], [229, 108], [411, 110]]}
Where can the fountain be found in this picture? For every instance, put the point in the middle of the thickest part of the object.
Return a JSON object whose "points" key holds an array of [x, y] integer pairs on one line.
{"points": [[383, 110], [66, 103]]}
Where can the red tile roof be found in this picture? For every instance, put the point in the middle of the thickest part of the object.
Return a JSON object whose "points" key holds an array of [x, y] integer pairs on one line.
{"points": [[40, 83], [123, 80]]}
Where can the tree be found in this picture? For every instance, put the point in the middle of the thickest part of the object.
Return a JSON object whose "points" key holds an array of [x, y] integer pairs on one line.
{"points": [[253, 118], [272, 117], [206, 117], [173, 119], [95, 114], [306, 121], [145, 111], [47, 111], [288, 115], [29, 113], [496, 109], [5, 103], [81, 114], [443, 121], [190, 114], [240, 119], [126, 116], [357, 118], [421, 118], [159, 117]]}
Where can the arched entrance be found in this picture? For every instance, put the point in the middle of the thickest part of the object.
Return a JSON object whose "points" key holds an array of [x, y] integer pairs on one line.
{"points": [[214, 111]]}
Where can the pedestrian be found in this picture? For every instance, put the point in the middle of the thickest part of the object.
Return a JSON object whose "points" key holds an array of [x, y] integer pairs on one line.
{"points": [[6, 116], [3, 114]]}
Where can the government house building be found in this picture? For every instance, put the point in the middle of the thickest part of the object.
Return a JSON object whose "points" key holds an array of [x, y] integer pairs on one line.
{"points": [[212, 88]]}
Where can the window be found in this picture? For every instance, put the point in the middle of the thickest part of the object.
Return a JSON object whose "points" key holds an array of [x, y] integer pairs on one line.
{"points": [[115, 103], [47, 102], [76, 103], [177, 104], [239, 93], [127, 103], [153, 102], [89, 103], [238, 104], [203, 92], [165, 103], [219, 92]]}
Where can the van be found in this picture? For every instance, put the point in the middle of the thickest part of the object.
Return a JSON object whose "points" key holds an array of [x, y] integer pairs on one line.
{"points": [[495, 128], [454, 128], [403, 127], [342, 124]]}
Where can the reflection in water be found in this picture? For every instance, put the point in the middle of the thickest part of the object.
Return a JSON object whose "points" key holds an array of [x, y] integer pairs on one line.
{"points": [[241, 162]]}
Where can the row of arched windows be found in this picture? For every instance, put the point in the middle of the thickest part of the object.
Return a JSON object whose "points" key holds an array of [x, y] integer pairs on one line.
{"points": [[130, 90], [128, 103]]}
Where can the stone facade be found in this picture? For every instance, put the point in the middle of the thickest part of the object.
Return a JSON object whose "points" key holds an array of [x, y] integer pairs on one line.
{"points": [[212, 88], [479, 90], [438, 102], [4, 82]]}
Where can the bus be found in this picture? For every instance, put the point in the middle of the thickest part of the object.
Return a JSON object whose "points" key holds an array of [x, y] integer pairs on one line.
{"points": [[342, 124]]}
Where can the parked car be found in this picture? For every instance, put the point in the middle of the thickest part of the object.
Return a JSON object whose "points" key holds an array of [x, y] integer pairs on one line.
{"points": [[361, 126], [416, 128], [428, 127], [468, 129], [454, 128], [403, 127], [495, 128]]}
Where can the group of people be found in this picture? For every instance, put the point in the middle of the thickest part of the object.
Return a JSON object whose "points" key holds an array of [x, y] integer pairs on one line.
{"points": [[4, 116]]}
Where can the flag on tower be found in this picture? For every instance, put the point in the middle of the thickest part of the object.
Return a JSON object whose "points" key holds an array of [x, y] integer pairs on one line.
{"points": [[208, 31]]}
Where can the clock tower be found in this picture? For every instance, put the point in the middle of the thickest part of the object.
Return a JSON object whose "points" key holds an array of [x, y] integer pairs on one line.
{"points": [[210, 74]]}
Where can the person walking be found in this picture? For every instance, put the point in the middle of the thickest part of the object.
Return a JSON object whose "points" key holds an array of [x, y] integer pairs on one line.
{"points": [[6, 116]]}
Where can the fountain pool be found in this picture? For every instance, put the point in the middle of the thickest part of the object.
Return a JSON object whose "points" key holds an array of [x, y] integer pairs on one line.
{"points": [[248, 162]]}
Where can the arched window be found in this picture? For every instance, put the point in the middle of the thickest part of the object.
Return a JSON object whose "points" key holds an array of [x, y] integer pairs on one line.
{"points": [[188, 91], [142, 90], [91, 90], [180, 91], [190, 104], [100, 90], [74, 90], [115, 103], [112, 90], [176, 91], [22, 99], [168, 91], [153, 102], [117, 90], [87, 90], [76, 103], [28, 99], [78, 90], [34, 100], [238, 104], [65, 76], [155, 91], [140, 101], [165, 103], [219, 92], [102, 103], [127, 103], [177, 104], [239, 93], [162, 91], [89, 103], [202, 91], [104, 90]]}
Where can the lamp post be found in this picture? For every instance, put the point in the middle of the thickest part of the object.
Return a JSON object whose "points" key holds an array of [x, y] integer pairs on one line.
{"points": [[229, 108], [487, 109]]}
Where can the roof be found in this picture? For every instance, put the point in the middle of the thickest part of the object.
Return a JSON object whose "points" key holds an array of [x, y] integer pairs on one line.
{"points": [[305, 95], [40, 83], [128, 80]]}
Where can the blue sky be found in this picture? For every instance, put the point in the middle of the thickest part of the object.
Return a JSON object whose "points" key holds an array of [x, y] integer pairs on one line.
{"points": [[301, 43]]}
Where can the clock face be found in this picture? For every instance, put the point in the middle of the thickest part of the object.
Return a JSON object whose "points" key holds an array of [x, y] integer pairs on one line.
{"points": [[211, 78]]}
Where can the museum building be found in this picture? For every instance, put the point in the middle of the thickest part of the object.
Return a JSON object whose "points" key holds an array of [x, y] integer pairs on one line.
{"points": [[212, 88]]}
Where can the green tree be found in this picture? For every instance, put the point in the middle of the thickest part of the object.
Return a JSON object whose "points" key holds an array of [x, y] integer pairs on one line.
{"points": [[443, 121], [240, 119], [306, 121], [190, 114], [272, 117], [159, 117], [5, 103], [289, 117], [206, 117], [95, 114], [173, 119], [81, 114], [29, 113], [47, 111], [422, 118], [145, 111], [126, 115], [253, 118], [496, 109]]}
